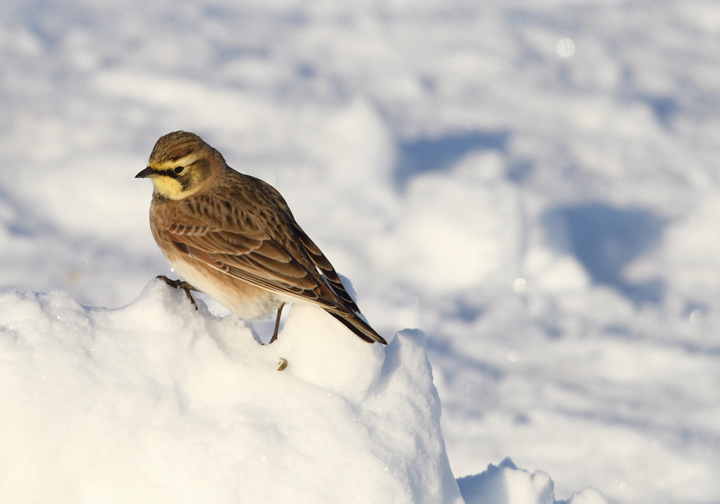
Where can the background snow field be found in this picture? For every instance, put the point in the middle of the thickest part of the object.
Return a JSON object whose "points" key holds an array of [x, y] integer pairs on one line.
{"points": [[533, 185]]}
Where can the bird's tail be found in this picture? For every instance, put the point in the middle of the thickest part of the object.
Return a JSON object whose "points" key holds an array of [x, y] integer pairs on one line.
{"points": [[361, 328]]}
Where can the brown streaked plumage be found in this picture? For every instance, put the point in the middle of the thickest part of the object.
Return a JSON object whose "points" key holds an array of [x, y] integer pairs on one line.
{"points": [[233, 237]]}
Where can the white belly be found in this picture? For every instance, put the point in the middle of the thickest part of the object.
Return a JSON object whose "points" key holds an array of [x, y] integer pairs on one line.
{"points": [[243, 299]]}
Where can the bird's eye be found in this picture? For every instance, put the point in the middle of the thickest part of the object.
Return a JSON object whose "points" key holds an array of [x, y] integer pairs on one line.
{"points": [[179, 169]]}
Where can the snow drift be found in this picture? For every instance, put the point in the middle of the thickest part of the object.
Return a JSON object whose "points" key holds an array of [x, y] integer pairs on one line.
{"points": [[158, 402]]}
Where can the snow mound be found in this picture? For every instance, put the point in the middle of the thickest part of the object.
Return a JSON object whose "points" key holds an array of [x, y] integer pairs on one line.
{"points": [[158, 402], [506, 484]]}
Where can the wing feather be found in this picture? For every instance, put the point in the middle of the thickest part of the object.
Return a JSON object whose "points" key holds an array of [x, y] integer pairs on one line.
{"points": [[258, 260]]}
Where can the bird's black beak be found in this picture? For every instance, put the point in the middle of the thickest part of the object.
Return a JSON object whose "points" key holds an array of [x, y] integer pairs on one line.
{"points": [[147, 172]]}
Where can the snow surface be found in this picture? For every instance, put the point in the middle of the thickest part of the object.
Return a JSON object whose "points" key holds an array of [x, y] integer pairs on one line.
{"points": [[534, 185], [159, 402]]}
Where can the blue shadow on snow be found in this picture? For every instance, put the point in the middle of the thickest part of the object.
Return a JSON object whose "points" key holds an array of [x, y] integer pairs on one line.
{"points": [[437, 154], [606, 239], [664, 108]]}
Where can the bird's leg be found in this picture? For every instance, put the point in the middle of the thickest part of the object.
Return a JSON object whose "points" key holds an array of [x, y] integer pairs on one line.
{"points": [[180, 284], [277, 324]]}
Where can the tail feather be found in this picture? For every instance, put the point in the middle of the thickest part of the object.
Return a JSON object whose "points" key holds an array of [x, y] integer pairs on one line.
{"points": [[361, 328]]}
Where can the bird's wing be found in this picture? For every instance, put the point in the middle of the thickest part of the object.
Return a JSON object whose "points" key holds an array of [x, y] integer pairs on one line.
{"points": [[254, 257], [261, 261]]}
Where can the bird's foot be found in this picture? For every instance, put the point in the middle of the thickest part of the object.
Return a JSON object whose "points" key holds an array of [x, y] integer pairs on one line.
{"points": [[180, 284]]}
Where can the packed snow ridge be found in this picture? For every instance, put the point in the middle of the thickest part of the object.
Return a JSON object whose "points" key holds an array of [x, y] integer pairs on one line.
{"points": [[160, 403]]}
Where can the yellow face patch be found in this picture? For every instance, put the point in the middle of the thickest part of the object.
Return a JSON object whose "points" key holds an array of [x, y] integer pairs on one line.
{"points": [[169, 187], [181, 178]]}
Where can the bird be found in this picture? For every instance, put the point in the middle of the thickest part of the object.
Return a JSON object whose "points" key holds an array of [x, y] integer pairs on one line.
{"points": [[233, 237]]}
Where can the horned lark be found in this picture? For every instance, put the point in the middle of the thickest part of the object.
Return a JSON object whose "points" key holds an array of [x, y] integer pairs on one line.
{"points": [[233, 237]]}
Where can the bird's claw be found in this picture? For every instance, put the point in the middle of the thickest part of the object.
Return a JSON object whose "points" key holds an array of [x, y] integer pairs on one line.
{"points": [[180, 284]]}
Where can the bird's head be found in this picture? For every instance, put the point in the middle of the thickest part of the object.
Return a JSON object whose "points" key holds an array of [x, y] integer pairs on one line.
{"points": [[181, 164]]}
